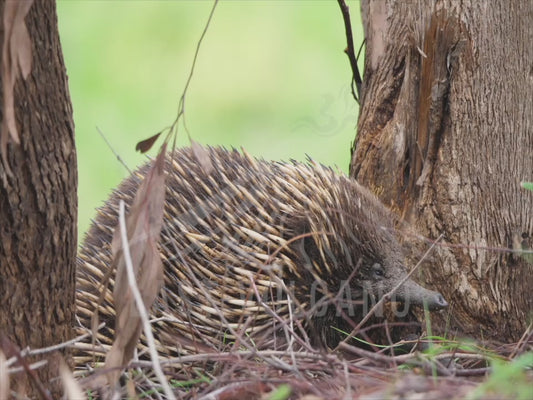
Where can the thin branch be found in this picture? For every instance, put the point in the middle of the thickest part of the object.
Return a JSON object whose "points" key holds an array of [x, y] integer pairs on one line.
{"points": [[32, 367], [523, 340], [181, 105], [350, 51], [9, 347], [113, 150], [28, 352], [241, 354], [143, 147]]}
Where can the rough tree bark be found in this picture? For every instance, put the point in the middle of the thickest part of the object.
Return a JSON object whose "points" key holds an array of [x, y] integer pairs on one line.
{"points": [[445, 138], [38, 201]]}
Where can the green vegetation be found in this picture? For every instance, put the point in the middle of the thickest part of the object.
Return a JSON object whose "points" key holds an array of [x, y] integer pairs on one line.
{"points": [[527, 185], [282, 392], [509, 380], [189, 383]]}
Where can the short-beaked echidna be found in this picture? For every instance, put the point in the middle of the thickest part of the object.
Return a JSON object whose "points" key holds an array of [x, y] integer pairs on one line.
{"points": [[256, 251]]}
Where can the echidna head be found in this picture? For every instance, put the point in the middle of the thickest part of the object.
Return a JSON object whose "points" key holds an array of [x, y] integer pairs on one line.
{"points": [[381, 278], [350, 249]]}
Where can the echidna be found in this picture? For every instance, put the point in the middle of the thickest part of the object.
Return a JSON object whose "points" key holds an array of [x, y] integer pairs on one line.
{"points": [[256, 251]]}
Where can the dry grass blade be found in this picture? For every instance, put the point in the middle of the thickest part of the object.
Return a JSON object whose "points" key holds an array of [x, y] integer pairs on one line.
{"points": [[16, 61], [71, 387], [4, 377], [143, 227]]}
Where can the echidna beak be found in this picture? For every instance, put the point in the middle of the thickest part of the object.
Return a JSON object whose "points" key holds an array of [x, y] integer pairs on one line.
{"points": [[439, 303]]}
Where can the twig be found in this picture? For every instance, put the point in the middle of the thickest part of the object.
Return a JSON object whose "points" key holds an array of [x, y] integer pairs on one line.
{"points": [[32, 367], [290, 346], [464, 246], [523, 340], [181, 104], [232, 355], [473, 371], [350, 51], [8, 347], [113, 150], [43, 350], [348, 389], [146, 144], [260, 301], [414, 358], [140, 305], [273, 314]]}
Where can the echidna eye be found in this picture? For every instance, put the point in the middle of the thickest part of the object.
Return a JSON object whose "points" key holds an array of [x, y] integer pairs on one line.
{"points": [[378, 270]]}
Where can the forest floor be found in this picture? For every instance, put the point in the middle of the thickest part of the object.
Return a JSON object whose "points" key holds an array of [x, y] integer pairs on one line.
{"points": [[444, 370]]}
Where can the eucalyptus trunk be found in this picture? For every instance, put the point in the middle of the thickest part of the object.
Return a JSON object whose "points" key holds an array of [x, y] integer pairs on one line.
{"points": [[38, 181], [445, 138]]}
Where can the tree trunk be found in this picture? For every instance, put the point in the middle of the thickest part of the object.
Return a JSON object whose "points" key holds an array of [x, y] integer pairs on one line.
{"points": [[445, 138], [38, 201]]}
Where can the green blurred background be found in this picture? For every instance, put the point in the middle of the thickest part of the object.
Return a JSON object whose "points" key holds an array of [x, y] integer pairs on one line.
{"points": [[271, 77]]}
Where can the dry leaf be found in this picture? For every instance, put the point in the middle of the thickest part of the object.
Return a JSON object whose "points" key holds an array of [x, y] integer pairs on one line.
{"points": [[144, 145], [71, 387], [143, 225], [202, 156], [4, 377], [130, 389], [16, 61]]}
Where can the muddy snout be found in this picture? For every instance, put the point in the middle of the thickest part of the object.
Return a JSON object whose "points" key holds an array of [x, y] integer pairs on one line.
{"points": [[413, 294]]}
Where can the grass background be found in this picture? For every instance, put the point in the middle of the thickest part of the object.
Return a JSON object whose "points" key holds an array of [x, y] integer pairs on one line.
{"points": [[271, 77]]}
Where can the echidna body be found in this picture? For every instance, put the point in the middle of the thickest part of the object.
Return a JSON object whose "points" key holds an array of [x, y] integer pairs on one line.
{"points": [[255, 251]]}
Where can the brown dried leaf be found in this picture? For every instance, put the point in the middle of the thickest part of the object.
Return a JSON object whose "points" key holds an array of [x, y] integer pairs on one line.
{"points": [[202, 156], [143, 225], [144, 145], [16, 61]]}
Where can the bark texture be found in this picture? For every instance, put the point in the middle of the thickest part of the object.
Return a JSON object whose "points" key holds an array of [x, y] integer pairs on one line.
{"points": [[445, 138], [38, 203]]}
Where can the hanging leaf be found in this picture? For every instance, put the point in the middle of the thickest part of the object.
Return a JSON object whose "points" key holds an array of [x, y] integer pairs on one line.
{"points": [[143, 225], [144, 145]]}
